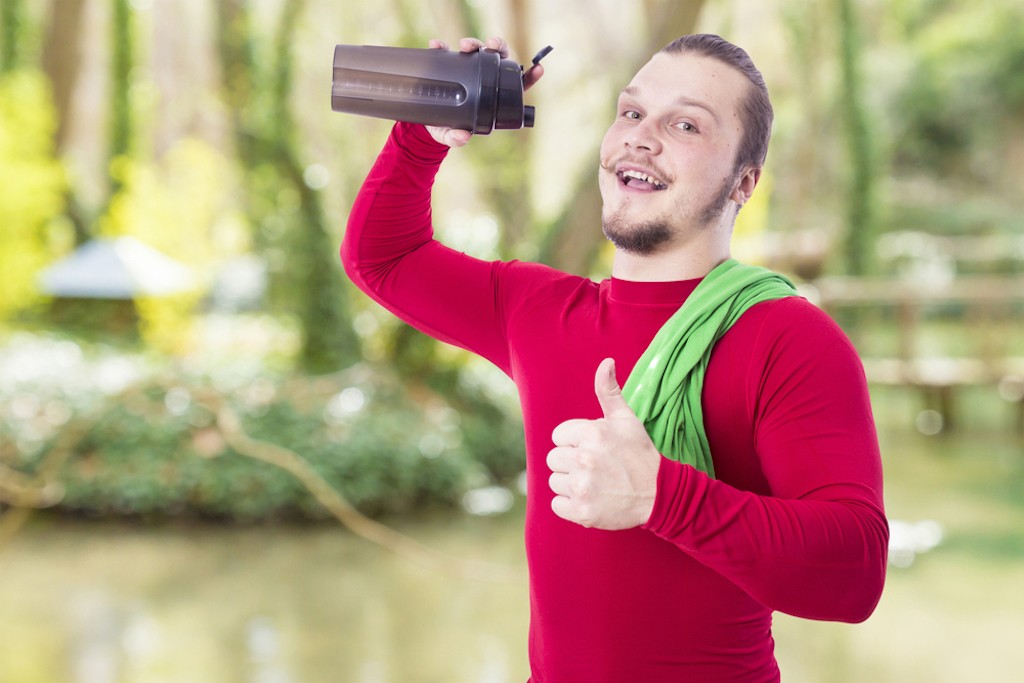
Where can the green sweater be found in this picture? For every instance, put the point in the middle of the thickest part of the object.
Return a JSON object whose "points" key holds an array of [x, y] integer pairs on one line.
{"points": [[665, 386]]}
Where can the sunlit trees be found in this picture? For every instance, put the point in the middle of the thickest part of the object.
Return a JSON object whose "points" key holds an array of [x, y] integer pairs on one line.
{"points": [[31, 180], [282, 193]]}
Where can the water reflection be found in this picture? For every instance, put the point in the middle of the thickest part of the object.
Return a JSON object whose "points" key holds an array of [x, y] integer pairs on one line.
{"points": [[119, 604], [266, 661], [94, 635]]}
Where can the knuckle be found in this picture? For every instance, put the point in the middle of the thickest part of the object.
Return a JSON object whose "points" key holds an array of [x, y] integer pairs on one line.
{"points": [[580, 488], [586, 460]]}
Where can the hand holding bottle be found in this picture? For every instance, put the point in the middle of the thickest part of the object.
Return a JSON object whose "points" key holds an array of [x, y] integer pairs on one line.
{"points": [[457, 138]]}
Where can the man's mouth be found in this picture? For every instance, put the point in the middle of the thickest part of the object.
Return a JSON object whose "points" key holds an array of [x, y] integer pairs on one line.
{"points": [[638, 180]]}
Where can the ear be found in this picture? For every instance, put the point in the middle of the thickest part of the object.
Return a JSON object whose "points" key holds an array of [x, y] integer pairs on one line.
{"points": [[745, 184]]}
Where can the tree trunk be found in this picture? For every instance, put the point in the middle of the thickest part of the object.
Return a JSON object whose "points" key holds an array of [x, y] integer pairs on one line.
{"points": [[62, 59], [310, 283], [62, 63], [861, 209], [122, 121], [328, 339], [503, 164]]}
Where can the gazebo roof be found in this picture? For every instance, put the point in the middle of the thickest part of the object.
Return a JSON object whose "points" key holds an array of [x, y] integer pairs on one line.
{"points": [[116, 268]]}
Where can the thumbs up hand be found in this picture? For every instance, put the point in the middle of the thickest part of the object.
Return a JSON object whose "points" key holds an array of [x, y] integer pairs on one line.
{"points": [[604, 472]]}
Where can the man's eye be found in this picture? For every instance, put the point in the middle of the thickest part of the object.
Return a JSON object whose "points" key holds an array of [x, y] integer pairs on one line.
{"points": [[630, 114], [687, 127]]}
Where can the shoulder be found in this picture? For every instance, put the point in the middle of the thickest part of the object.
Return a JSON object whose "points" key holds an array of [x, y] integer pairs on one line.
{"points": [[789, 337], [790, 322], [790, 360]]}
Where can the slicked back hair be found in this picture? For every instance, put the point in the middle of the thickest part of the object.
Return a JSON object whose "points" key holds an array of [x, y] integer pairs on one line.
{"points": [[756, 113]]}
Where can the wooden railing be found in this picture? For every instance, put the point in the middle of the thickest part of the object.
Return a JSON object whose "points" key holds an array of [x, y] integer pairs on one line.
{"points": [[987, 309]]}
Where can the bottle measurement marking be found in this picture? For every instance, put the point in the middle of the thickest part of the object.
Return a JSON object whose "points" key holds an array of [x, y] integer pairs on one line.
{"points": [[356, 84]]}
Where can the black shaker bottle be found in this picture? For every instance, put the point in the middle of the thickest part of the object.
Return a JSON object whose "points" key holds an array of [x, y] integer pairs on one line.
{"points": [[474, 91]]}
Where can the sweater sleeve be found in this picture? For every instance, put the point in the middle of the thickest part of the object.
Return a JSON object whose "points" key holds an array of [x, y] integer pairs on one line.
{"points": [[816, 545], [390, 253]]}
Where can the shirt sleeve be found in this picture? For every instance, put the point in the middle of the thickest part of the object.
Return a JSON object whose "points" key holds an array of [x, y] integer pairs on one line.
{"points": [[390, 253], [816, 545]]}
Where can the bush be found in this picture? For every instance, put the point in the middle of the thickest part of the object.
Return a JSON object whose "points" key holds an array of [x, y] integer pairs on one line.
{"points": [[154, 448]]}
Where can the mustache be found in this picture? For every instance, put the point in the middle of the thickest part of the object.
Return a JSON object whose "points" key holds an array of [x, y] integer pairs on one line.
{"points": [[638, 161]]}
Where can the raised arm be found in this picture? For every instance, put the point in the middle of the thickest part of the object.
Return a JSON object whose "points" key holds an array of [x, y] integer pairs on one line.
{"points": [[389, 252]]}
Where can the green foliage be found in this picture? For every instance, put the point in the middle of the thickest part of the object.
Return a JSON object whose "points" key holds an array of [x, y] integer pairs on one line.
{"points": [[965, 85], [12, 16], [495, 440], [284, 204], [31, 186], [156, 451]]}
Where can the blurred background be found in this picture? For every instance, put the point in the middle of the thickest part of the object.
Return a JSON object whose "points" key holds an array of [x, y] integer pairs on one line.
{"points": [[219, 462]]}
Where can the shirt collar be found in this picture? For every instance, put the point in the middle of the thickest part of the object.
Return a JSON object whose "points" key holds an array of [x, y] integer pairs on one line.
{"points": [[632, 292]]}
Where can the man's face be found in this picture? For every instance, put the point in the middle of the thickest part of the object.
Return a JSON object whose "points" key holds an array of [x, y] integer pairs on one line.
{"points": [[668, 160]]}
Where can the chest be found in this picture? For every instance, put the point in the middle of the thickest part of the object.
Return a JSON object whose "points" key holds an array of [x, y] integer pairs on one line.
{"points": [[556, 350]]}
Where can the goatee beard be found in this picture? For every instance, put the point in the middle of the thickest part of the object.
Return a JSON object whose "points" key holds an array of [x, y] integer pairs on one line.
{"points": [[643, 239]]}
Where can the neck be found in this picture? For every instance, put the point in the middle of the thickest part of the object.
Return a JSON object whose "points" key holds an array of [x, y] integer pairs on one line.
{"points": [[687, 261]]}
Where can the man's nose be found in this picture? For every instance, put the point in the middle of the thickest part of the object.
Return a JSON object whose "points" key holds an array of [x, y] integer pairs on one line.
{"points": [[644, 136]]}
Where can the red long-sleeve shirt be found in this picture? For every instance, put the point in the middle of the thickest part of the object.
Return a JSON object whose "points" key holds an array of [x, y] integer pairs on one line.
{"points": [[794, 521]]}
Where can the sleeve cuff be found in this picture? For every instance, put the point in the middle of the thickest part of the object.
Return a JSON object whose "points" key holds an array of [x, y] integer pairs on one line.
{"points": [[669, 498], [418, 143]]}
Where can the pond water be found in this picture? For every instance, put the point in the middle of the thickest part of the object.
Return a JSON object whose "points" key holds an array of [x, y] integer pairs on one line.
{"points": [[106, 603], [102, 602]]}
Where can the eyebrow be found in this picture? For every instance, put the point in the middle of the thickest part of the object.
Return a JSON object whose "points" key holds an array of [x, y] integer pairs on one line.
{"points": [[684, 101]]}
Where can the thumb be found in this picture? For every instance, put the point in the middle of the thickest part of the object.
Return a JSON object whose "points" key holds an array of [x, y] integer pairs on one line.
{"points": [[609, 395]]}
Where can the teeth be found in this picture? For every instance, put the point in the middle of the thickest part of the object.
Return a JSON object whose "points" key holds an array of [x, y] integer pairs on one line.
{"points": [[644, 177]]}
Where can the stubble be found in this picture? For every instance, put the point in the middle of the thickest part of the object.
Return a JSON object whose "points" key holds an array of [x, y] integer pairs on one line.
{"points": [[648, 237]]}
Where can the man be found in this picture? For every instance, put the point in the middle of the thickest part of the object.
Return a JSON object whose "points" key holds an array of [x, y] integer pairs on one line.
{"points": [[644, 568]]}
